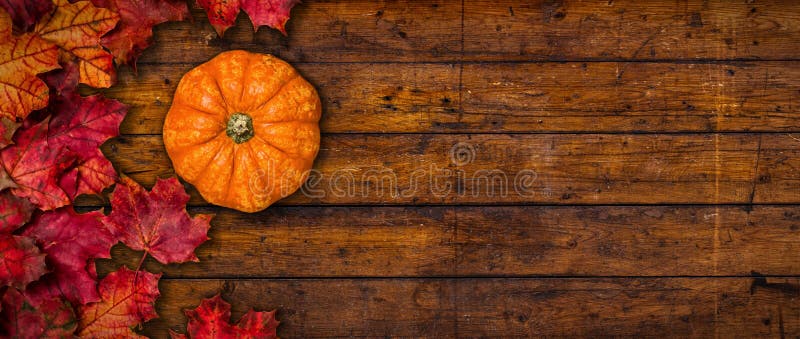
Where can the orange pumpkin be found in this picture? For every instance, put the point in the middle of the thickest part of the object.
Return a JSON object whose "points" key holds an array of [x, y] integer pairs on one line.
{"points": [[243, 129]]}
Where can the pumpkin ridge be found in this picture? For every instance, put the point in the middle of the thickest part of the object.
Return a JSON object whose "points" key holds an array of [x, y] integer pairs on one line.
{"points": [[215, 136], [222, 96], [270, 144], [217, 151], [274, 95], [245, 78], [233, 172], [226, 144], [191, 105]]}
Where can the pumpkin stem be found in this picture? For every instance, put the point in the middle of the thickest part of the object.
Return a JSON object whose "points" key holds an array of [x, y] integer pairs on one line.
{"points": [[240, 127]]}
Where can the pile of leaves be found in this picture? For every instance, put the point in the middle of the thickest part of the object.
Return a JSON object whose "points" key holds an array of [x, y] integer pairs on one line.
{"points": [[50, 139]]}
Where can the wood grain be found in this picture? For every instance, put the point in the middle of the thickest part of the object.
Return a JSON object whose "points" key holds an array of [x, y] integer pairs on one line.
{"points": [[497, 241], [630, 30], [508, 308], [521, 169], [651, 223], [521, 98], [332, 31], [430, 30]]}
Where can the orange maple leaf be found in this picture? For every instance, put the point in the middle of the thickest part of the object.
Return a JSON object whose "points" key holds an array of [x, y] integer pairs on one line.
{"points": [[76, 28], [128, 299], [21, 58]]}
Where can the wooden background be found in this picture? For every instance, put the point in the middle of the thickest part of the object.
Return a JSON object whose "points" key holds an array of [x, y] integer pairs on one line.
{"points": [[664, 138]]}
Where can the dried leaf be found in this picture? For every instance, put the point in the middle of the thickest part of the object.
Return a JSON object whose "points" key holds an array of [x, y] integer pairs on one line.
{"points": [[157, 222], [21, 59], [76, 28], [14, 212], [210, 320], [72, 241], [128, 299], [35, 166], [24, 318], [25, 13], [21, 262], [135, 30], [222, 13]]}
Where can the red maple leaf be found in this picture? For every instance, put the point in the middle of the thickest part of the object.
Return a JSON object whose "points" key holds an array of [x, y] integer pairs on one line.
{"points": [[222, 13], [157, 222], [272, 13], [71, 241], [63, 81], [135, 29], [35, 166], [59, 158], [82, 124], [14, 211], [25, 318], [128, 299], [211, 320], [25, 13], [21, 262]]}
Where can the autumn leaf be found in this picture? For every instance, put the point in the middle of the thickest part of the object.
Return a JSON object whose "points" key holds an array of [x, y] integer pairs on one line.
{"points": [[156, 222], [24, 318], [135, 30], [128, 299], [63, 81], [272, 13], [82, 124], [211, 320], [35, 166], [25, 13], [21, 262], [222, 13], [59, 158], [14, 212], [72, 241], [21, 59], [7, 129], [76, 28]]}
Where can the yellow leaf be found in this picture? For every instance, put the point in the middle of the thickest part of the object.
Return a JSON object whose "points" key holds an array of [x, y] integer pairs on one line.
{"points": [[76, 28], [21, 58]]}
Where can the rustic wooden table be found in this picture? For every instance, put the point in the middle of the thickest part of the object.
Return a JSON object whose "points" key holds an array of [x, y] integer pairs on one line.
{"points": [[561, 168]]}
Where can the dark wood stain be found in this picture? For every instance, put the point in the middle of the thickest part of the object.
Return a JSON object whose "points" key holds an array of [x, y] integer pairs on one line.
{"points": [[661, 145]]}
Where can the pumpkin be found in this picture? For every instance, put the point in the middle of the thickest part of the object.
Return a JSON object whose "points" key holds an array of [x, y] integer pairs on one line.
{"points": [[243, 128]]}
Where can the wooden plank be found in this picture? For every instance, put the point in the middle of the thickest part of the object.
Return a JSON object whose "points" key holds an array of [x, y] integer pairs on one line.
{"points": [[514, 169], [363, 30], [430, 30], [625, 97], [355, 97], [496, 241], [630, 29], [778, 177], [519, 98], [445, 308]]}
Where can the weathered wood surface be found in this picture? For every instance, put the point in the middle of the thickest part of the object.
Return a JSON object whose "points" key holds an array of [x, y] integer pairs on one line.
{"points": [[473, 308], [492, 241], [525, 169], [637, 216], [519, 98], [418, 31]]}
